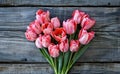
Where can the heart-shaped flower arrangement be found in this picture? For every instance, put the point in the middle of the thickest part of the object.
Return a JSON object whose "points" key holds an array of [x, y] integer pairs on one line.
{"points": [[61, 45]]}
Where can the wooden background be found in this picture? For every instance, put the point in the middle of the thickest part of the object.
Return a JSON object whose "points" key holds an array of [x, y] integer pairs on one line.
{"points": [[18, 56]]}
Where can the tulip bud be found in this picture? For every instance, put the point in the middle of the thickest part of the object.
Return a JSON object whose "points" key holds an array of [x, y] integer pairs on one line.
{"points": [[69, 26], [53, 50], [87, 23], [77, 16], [47, 28], [42, 16], [38, 42], [56, 23], [74, 45], [30, 35], [46, 40], [35, 26], [63, 46], [85, 37]]}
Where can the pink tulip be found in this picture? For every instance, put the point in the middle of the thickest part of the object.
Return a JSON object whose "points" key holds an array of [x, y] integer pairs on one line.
{"points": [[47, 28], [69, 26], [63, 46], [87, 22], [46, 40], [30, 35], [77, 16], [38, 42], [59, 34], [42, 16], [56, 23], [53, 50], [35, 26], [85, 37], [74, 45]]}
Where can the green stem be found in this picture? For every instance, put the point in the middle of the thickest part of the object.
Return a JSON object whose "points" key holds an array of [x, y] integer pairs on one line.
{"points": [[48, 58], [55, 66], [63, 54], [75, 34], [60, 63], [78, 54], [69, 63], [63, 63], [70, 58], [70, 37], [44, 54], [55, 71], [66, 56]]}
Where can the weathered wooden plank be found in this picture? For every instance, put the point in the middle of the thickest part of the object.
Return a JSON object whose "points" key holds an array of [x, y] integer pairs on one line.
{"points": [[83, 68], [17, 18], [14, 47], [14, 22], [62, 2]]}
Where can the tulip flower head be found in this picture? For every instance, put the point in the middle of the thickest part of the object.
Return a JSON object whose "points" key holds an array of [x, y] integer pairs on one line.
{"points": [[59, 34], [30, 35], [64, 46], [53, 50], [74, 45], [38, 42], [69, 26], [85, 37], [56, 23], [42, 16], [46, 40]]}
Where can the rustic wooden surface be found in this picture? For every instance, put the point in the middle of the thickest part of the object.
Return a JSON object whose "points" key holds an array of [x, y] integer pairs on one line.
{"points": [[83, 68], [61, 2], [105, 48], [19, 56]]}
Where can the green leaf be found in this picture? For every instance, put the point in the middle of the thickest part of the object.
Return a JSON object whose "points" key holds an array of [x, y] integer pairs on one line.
{"points": [[78, 54], [51, 61], [69, 62], [47, 56], [60, 63], [65, 61], [41, 50], [55, 66]]}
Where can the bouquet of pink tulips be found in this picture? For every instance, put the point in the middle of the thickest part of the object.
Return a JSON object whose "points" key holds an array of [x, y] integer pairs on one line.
{"points": [[61, 45]]}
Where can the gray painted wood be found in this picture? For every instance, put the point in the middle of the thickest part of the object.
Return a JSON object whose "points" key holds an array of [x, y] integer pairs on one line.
{"points": [[62, 2], [14, 47], [82, 68], [18, 18]]}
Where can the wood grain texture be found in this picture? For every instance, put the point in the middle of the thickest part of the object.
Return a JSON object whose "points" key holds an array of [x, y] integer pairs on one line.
{"points": [[62, 2], [83, 68], [18, 18], [19, 56], [14, 47]]}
